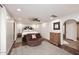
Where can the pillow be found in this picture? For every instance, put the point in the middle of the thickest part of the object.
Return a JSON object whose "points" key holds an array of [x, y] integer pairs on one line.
{"points": [[38, 35], [33, 36], [30, 30]]}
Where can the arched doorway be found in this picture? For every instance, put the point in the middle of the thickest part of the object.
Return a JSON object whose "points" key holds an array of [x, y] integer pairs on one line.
{"points": [[70, 30]]}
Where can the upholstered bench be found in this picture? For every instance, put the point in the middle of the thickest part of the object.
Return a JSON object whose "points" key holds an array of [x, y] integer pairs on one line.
{"points": [[33, 39], [34, 42]]}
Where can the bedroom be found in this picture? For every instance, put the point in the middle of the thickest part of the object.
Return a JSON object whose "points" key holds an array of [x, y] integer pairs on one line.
{"points": [[42, 19]]}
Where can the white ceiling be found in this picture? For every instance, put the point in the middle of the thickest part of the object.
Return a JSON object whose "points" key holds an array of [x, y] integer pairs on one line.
{"points": [[41, 11]]}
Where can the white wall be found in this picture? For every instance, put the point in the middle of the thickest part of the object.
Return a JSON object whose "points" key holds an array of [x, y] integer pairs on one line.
{"points": [[71, 30], [20, 26], [9, 35], [6, 31], [45, 30], [36, 27], [47, 27], [3, 31], [9, 31]]}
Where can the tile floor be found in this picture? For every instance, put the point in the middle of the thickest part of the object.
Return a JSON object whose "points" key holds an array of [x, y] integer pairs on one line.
{"points": [[44, 49]]}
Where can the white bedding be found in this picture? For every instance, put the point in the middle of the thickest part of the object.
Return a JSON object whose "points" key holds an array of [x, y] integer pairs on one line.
{"points": [[28, 32]]}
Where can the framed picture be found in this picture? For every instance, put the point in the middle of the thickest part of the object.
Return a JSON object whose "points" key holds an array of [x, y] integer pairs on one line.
{"points": [[56, 26]]}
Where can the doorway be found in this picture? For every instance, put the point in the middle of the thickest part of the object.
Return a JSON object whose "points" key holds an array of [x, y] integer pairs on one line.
{"points": [[70, 30]]}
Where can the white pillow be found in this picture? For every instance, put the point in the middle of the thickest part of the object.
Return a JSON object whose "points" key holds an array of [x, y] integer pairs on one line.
{"points": [[33, 36], [30, 30]]}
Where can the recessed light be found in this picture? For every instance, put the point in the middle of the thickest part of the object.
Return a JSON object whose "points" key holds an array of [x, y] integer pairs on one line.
{"points": [[18, 9]]}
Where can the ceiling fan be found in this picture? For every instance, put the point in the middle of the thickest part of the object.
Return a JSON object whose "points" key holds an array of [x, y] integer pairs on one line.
{"points": [[53, 16], [36, 19]]}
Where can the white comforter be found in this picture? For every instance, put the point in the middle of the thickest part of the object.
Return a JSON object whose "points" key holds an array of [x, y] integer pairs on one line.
{"points": [[28, 32]]}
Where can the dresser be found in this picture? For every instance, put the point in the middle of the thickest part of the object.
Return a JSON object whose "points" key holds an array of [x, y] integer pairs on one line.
{"points": [[55, 38]]}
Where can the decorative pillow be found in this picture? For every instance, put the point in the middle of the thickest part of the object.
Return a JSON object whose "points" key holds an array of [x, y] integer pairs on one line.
{"points": [[38, 35], [33, 36]]}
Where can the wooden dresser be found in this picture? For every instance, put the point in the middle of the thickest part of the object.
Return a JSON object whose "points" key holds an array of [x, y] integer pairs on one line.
{"points": [[55, 38]]}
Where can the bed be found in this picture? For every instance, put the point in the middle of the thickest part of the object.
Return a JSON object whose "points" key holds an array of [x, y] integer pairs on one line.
{"points": [[25, 32]]}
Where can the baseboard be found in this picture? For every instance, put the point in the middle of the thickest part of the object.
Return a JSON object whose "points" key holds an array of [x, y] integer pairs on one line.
{"points": [[71, 39], [44, 39], [11, 48], [49, 41]]}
